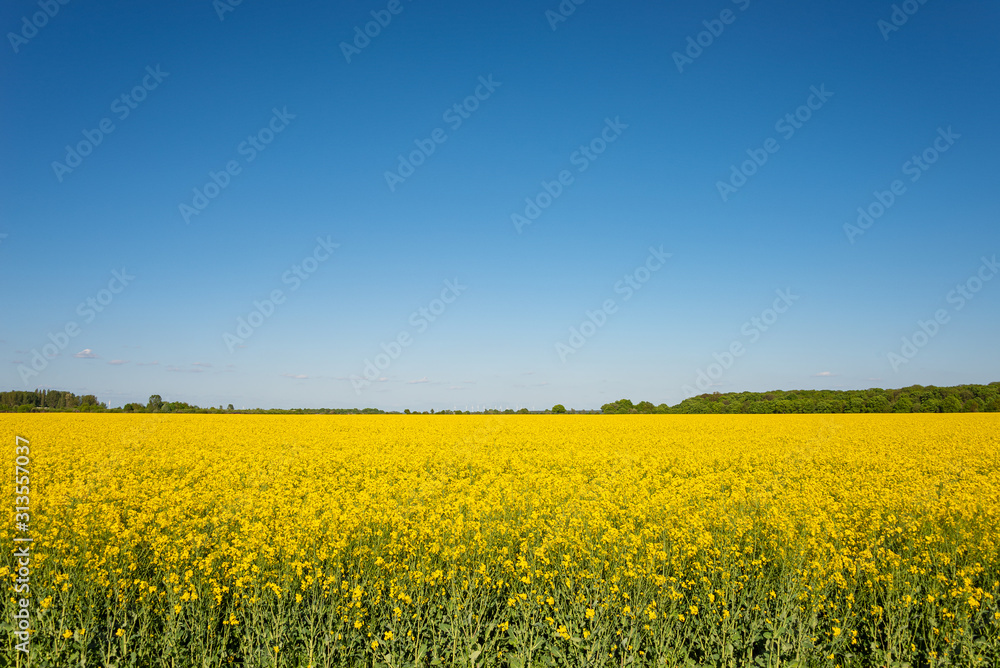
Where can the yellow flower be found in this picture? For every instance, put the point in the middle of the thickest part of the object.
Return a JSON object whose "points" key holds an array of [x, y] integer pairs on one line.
{"points": [[436, 512]]}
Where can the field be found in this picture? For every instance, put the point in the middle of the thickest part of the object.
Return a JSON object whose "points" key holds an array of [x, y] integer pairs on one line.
{"points": [[163, 540]]}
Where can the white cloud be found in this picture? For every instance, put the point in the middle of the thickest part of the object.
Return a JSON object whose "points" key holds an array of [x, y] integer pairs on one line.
{"points": [[87, 354], [177, 369]]}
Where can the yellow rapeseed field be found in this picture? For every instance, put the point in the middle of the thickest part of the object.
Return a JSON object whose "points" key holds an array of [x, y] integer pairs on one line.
{"points": [[216, 540]]}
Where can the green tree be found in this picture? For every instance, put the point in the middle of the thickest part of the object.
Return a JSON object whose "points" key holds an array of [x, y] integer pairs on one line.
{"points": [[879, 404], [558, 408], [974, 405], [155, 402], [930, 406], [783, 406], [951, 404], [903, 405], [620, 406]]}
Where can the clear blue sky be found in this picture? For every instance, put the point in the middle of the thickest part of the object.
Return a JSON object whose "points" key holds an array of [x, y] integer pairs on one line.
{"points": [[267, 91]]}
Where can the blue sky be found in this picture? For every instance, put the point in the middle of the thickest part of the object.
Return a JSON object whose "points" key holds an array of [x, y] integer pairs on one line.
{"points": [[622, 123]]}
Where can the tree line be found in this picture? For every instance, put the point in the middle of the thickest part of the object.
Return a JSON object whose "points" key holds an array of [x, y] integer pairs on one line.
{"points": [[48, 399], [57, 400], [913, 399]]}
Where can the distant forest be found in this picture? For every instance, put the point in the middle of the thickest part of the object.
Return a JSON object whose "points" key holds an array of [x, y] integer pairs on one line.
{"points": [[913, 399], [57, 400], [52, 399]]}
